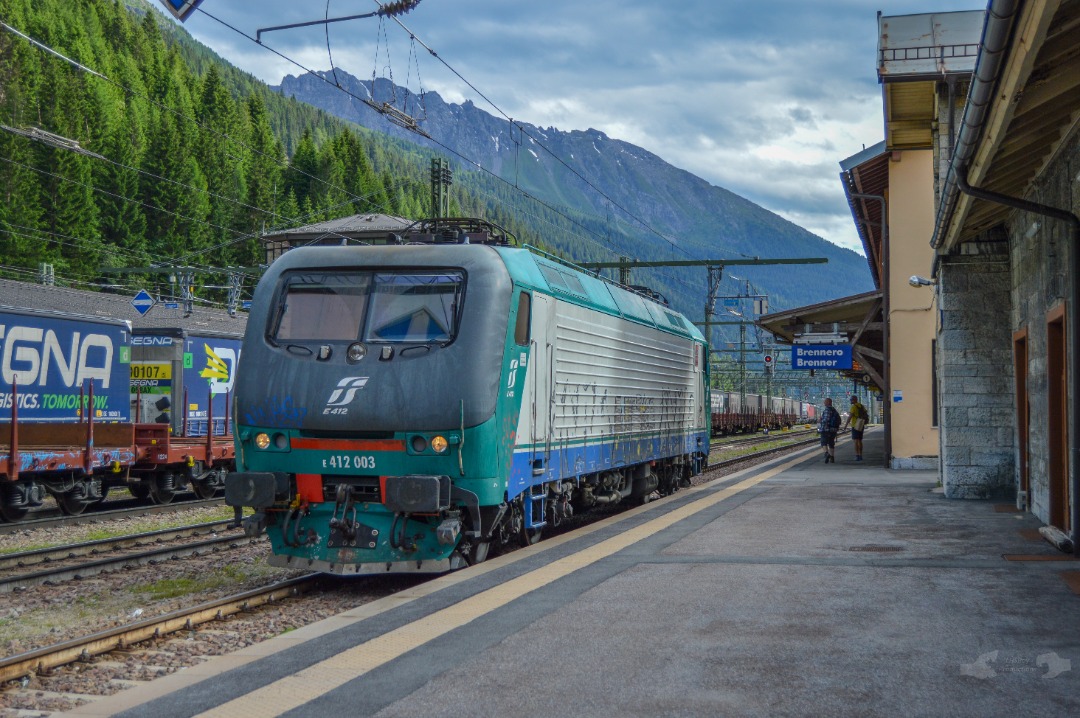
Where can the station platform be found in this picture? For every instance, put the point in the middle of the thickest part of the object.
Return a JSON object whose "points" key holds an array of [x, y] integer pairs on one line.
{"points": [[794, 588]]}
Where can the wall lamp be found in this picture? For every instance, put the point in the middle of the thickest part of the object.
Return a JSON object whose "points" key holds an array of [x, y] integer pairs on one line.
{"points": [[917, 281]]}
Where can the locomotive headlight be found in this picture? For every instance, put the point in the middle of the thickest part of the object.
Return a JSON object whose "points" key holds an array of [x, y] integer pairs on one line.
{"points": [[355, 352], [438, 444], [262, 440]]}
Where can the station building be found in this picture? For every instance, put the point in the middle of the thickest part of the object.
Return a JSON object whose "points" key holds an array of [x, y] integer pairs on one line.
{"points": [[354, 229], [968, 214]]}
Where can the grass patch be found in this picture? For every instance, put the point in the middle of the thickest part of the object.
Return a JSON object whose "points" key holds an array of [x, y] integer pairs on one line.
{"points": [[41, 538], [721, 454], [4, 550], [176, 587]]}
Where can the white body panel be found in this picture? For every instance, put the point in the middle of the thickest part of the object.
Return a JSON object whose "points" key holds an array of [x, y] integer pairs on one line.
{"points": [[593, 376]]}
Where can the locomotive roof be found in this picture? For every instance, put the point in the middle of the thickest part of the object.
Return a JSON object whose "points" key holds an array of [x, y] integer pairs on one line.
{"points": [[572, 284], [525, 265], [116, 306]]}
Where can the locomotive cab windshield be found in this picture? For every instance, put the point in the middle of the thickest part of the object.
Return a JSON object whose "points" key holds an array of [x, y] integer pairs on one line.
{"points": [[410, 307]]}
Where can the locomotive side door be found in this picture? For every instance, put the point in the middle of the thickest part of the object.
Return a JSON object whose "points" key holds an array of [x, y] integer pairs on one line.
{"points": [[540, 377]]}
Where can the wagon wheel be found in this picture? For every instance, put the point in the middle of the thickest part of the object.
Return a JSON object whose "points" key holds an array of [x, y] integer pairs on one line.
{"points": [[204, 489], [140, 490], [12, 514], [98, 502], [70, 504], [162, 489], [478, 552], [527, 537]]}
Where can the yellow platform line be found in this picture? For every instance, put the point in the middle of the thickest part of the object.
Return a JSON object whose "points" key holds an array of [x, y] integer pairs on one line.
{"points": [[296, 690]]}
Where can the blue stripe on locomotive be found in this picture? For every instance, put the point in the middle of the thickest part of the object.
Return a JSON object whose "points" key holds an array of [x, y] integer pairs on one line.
{"points": [[572, 462]]}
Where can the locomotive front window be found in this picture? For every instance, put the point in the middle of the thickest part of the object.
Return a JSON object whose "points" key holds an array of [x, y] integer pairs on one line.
{"points": [[323, 307], [370, 306], [414, 307]]}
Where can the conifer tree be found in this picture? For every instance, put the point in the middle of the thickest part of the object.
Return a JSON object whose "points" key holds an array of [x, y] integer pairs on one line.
{"points": [[302, 171], [214, 150], [263, 173]]}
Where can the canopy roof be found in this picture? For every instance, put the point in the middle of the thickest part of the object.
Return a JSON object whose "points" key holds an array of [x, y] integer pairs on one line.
{"points": [[858, 318]]}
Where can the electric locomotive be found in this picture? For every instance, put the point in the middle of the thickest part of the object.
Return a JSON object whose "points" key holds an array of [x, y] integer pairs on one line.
{"points": [[404, 407]]}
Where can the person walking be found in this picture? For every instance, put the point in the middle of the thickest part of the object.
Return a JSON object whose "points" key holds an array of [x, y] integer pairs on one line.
{"points": [[828, 425], [857, 418]]}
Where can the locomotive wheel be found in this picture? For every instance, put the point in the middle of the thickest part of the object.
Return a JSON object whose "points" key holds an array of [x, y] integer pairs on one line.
{"points": [[527, 537], [13, 514], [478, 552], [140, 490], [70, 505]]}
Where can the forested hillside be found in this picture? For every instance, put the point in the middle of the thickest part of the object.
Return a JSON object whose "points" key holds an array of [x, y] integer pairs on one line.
{"points": [[178, 155]]}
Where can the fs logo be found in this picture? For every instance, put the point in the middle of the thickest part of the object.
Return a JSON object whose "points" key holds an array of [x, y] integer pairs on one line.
{"points": [[344, 394], [515, 364]]}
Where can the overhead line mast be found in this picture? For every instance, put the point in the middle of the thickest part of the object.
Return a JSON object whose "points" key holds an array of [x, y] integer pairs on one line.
{"points": [[715, 267]]}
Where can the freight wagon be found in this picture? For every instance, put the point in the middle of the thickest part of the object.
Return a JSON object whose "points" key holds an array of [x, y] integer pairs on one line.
{"points": [[87, 404], [735, 413], [181, 383], [61, 378]]}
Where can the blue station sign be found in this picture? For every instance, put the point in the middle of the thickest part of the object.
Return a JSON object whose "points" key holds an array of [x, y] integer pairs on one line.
{"points": [[821, 356]]}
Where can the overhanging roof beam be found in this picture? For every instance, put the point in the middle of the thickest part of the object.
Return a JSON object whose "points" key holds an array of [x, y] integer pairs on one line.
{"points": [[868, 367], [874, 309]]}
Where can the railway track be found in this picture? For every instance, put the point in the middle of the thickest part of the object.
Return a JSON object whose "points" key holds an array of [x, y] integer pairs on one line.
{"points": [[73, 565], [130, 509], [121, 637], [800, 438]]}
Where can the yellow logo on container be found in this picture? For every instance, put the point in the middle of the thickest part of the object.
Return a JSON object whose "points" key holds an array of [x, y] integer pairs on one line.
{"points": [[216, 368]]}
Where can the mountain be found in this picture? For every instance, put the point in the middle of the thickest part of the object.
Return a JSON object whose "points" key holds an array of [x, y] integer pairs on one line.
{"points": [[696, 219]]}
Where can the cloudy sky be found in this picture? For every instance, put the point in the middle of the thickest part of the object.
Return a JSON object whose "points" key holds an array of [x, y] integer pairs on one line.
{"points": [[763, 98]]}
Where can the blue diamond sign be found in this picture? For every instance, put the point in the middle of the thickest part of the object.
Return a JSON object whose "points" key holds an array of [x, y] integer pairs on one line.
{"points": [[143, 302], [181, 9]]}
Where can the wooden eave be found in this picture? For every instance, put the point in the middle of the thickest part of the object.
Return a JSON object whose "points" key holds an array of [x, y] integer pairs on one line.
{"points": [[1036, 107], [910, 113], [870, 177]]}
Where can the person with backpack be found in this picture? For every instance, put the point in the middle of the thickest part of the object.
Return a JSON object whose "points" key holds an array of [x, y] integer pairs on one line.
{"points": [[828, 425], [857, 418]]}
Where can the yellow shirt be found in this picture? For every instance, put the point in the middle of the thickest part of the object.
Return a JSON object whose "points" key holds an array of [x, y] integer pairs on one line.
{"points": [[857, 411]]}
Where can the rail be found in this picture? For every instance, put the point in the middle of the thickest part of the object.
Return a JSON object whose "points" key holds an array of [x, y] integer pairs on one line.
{"points": [[104, 565], [49, 657]]}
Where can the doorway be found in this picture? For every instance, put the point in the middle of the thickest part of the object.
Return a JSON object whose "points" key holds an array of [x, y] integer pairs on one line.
{"points": [[1023, 410], [1057, 418]]}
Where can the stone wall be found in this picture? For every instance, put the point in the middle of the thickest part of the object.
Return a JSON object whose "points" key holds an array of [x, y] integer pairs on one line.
{"points": [[975, 372], [1039, 258]]}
